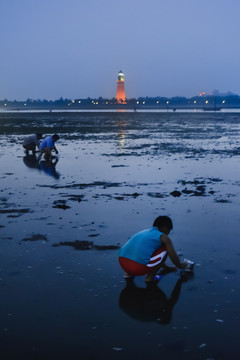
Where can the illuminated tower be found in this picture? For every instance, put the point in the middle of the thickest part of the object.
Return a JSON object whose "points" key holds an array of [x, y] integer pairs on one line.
{"points": [[121, 97]]}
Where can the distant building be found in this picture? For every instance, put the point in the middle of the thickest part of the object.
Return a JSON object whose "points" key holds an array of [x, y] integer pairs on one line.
{"points": [[121, 97]]}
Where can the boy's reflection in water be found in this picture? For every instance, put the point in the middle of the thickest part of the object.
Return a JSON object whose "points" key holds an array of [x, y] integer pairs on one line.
{"points": [[31, 161], [48, 166], [149, 303]]}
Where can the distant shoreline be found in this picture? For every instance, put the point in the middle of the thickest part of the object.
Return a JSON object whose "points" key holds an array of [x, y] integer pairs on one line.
{"points": [[213, 103], [123, 110]]}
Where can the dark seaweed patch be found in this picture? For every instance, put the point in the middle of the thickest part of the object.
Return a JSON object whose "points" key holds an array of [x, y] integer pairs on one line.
{"points": [[106, 247], [116, 166], [199, 181], [156, 195], [187, 192], [103, 184], [36, 237], [73, 197], [86, 245], [60, 204], [134, 195], [12, 211], [122, 196], [175, 193]]}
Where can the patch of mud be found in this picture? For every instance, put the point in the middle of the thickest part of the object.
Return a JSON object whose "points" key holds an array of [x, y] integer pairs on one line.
{"points": [[176, 193], [86, 245], [117, 166], [123, 154], [15, 211], [35, 237], [198, 187], [123, 196], [102, 184], [156, 195], [200, 181], [71, 197], [60, 204]]}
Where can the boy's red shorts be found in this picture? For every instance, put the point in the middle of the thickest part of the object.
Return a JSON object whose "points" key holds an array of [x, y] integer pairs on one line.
{"points": [[137, 269]]}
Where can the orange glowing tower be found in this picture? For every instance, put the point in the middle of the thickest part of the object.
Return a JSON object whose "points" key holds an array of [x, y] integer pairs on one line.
{"points": [[121, 97]]}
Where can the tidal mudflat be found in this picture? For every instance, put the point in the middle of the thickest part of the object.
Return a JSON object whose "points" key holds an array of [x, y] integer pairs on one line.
{"points": [[63, 294]]}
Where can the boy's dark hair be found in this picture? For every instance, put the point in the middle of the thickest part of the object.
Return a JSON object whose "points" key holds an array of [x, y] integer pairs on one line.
{"points": [[55, 137], [39, 136], [162, 221]]}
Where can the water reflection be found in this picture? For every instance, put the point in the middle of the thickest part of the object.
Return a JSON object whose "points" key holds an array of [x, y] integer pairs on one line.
{"points": [[121, 133], [31, 161], [47, 166], [149, 304]]}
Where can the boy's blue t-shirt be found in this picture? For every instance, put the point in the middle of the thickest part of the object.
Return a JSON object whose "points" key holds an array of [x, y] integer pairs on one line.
{"points": [[47, 143], [142, 245]]}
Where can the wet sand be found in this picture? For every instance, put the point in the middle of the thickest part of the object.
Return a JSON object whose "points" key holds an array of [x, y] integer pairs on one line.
{"points": [[62, 290]]}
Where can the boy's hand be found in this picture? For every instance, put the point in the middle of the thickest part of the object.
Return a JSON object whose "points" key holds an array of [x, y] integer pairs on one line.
{"points": [[183, 265]]}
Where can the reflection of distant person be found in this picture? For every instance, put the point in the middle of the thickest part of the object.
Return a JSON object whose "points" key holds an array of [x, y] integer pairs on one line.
{"points": [[47, 145], [31, 161], [150, 303], [146, 252], [31, 142], [49, 167]]}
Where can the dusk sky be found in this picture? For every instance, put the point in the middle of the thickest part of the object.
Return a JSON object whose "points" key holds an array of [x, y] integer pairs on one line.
{"points": [[75, 48]]}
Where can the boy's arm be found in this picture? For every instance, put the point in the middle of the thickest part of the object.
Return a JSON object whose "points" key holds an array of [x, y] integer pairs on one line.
{"points": [[55, 149], [171, 252]]}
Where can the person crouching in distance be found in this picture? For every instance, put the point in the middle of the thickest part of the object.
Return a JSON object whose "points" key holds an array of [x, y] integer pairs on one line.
{"points": [[47, 145], [31, 142], [146, 252]]}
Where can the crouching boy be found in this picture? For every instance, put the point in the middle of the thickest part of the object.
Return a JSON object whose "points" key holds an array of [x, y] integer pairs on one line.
{"points": [[146, 252]]}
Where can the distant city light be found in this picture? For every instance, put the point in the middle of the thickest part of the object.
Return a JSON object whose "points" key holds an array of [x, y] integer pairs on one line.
{"points": [[223, 102], [167, 102], [73, 101], [157, 102], [206, 101], [79, 102], [143, 102], [137, 102], [25, 104], [5, 104], [195, 101]]}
